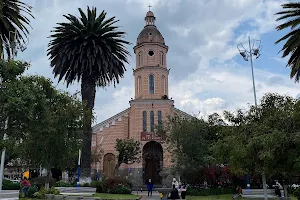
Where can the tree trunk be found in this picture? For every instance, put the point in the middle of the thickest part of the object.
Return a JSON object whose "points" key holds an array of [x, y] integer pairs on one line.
{"points": [[88, 91], [264, 180], [285, 190]]}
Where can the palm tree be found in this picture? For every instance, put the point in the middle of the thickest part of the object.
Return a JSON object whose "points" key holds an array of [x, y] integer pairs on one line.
{"points": [[89, 49], [13, 21], [292, 44]]}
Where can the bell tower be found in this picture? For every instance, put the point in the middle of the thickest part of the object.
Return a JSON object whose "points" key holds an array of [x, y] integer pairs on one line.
{"points": [[151, 72]]}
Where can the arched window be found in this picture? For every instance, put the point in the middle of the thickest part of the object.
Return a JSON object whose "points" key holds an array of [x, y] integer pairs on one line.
{"points": [[144, 121], [159, 119], [151, 84], [139, 85], [152, 121], [161, 58], [163, 81]]}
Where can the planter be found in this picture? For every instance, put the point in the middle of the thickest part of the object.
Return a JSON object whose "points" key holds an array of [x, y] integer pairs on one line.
{"points": [[73, 197], [59, 197], [49, 196]]}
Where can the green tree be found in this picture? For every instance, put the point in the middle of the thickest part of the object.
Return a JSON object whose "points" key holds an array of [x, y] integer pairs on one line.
{"points": [[128, 151], [91, 49], [13, 19], [265, 139], [188, 141], [44, 125], [10, 71], [291, 13]]}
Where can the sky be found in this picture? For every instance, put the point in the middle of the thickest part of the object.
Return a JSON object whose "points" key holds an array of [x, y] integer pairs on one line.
{"points": [[207, 73]]}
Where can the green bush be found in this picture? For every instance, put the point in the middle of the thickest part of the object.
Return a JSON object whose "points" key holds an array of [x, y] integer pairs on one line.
{"points": [[9, 185], [52, 190], [86, 185], [121, 189], [32, 190], [98, 185], [208, 192], [63, 184], [42, 180], [111, 184], [41, 194], [297, 193]]}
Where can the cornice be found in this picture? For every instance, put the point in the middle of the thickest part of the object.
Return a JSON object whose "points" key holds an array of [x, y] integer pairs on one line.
{"points": [[151, 67], [151, 43]]}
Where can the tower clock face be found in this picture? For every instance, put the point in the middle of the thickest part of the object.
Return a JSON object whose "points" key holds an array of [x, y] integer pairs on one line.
{"points": [[150, 53]]}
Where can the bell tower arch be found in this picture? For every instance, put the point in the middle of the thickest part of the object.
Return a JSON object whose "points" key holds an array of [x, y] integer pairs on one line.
{"points": [[151, 72]]}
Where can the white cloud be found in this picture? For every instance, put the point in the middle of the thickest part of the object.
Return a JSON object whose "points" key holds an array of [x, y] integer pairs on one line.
{"points": [[203, 32]]}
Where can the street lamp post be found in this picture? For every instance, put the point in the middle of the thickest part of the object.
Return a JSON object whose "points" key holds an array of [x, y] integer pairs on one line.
{"points": [[3, 150], [3, 157], [254, 50], [246, 54], [78, 169]]}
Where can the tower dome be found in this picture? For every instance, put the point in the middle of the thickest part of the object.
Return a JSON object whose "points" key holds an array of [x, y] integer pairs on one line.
{"points": [[150, 33], [149, 14]]}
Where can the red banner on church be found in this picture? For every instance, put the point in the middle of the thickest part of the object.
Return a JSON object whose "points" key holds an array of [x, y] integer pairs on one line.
{"points": [[147, 136]]}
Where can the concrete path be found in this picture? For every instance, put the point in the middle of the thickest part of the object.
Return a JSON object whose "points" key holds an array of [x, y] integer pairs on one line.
{"points": [[9, 194], [155, 195]]}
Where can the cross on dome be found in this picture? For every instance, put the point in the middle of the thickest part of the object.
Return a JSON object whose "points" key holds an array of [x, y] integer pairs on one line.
{"points": [[150, 19]]}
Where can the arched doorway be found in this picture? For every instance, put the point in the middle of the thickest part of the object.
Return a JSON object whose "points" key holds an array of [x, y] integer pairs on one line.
{"points": [[109, 164], [152, 162]]}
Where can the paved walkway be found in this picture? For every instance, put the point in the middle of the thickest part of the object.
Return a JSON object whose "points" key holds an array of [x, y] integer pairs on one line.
{"points": [[155, 195]]}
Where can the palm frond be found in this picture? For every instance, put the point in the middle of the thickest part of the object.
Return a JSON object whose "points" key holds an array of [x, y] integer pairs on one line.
{"points": [[292, 39], [14, 19], [291, 5], [89, 46]]}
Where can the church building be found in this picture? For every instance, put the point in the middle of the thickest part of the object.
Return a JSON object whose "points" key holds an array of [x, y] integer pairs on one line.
{"points": [[150, 107]]}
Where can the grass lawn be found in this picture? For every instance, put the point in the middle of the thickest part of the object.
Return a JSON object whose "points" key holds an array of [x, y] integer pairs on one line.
{"points": [[116, 196], [225, 197], [216, 197]]}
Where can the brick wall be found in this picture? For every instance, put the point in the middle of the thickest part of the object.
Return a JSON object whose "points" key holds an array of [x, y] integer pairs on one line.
{"points": [[116, 129]]}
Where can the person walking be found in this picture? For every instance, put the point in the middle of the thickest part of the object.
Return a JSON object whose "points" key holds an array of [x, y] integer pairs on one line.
{"points": [[174, 194], [183, 191], [25, 185], [278, 189], [150, 188], [239, 192]]}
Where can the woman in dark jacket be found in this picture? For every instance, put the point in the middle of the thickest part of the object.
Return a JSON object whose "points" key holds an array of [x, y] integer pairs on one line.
{"points": [[174, 194]]}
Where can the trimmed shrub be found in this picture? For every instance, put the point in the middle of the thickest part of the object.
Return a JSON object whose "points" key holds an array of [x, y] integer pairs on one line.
{"points": [[41, 194], [121, 189], [32, 190], [42, 180], [9, 185], [86, 185], [208, 192], [63, 184], [52, 190], [98, 185], [111, 184]]}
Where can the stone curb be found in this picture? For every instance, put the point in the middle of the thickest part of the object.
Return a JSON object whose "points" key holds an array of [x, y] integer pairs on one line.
{"points": [[72, 197]]}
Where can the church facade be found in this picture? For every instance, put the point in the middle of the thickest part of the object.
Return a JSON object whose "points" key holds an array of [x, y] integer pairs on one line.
{"points": [[149, 108]]}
